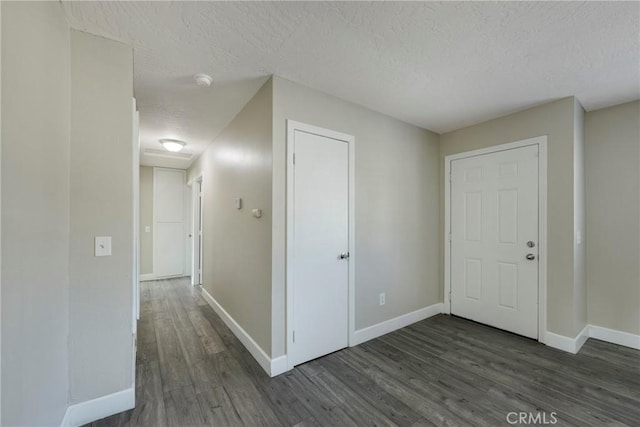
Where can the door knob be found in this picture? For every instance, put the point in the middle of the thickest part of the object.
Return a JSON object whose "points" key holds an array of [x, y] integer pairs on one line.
{"points": [[344, 255], [530, 257]]}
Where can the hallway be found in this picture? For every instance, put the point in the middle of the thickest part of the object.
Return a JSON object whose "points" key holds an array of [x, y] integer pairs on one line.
{"points": [[192, 371]]}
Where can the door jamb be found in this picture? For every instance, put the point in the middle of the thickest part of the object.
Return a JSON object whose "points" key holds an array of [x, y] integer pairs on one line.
{"points": [[293, 126], [196, 213], [541, 141]]}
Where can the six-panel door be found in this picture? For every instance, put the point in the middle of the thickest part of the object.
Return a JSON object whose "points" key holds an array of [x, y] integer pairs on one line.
{"points": [[494, 236]]}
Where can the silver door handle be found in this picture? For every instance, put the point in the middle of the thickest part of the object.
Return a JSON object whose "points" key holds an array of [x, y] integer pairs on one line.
{"points": [[530, 257], [344, 255]]}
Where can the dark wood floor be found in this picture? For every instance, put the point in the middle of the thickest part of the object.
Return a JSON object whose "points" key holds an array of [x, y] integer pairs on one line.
{"points": [[192, 371]]}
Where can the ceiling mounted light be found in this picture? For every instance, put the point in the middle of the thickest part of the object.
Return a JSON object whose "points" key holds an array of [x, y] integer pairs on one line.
{"points": [[203, 80], [172, 145]]}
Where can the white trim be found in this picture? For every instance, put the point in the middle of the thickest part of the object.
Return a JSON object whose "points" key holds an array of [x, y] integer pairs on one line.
{"points": [[292, 126], [382, 328], [136, 239], [615, 337], [96, 409], [582, 337], [279, 365], [147, 277], [272, 367], [197, 189], [543, 239], [564, 343], [136, 217], [541, 141]]}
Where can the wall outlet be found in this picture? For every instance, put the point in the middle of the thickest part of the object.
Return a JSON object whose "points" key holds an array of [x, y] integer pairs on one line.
{"points": [[102, 246], [383, 299]]}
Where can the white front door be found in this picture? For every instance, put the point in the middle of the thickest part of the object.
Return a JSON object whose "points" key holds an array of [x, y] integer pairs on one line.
{"points": [[494, 239], [320, 245], [169, 222]]}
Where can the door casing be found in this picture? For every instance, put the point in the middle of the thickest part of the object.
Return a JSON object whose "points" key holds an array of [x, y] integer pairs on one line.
{"points": [[293, 126], [541, 141], [196, 228]]}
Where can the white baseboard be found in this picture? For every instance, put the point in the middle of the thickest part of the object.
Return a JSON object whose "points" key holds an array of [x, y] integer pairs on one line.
{"points": [[582, 337], [147, 277], [382, 328], [615, 337], [568, 344], [573, 345], [95, 409], [279, 365], [272, 367]]}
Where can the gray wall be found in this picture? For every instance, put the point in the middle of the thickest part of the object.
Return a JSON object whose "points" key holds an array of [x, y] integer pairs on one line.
{"points": [[35, 213], [396, 207], [146, 219], [237, 246], [613, 216], [100, 298], [556, 120]]}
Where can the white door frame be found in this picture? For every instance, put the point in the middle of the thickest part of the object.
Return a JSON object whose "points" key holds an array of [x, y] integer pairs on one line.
{"points": [[136, 215], [293, 126], [196, 220], [541, 142], [136, 236]]}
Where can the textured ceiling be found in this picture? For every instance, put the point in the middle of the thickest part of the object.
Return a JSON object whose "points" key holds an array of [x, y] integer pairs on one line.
{"points": [[440, 66]]}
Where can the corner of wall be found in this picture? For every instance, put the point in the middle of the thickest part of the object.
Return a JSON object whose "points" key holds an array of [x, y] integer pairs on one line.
{"points": [[278, 185], [101, 203], [579, 221]]}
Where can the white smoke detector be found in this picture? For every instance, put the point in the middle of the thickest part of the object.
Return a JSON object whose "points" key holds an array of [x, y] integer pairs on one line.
{"points": [[203, 80]]}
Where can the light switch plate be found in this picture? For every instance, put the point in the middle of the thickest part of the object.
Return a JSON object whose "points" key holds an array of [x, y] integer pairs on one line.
{"points": [[103, 246], [147, 229], [237, 202]]}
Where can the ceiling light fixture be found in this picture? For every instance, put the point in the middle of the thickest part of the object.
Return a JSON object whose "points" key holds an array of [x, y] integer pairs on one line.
{"points": [[172, 145], [203, 80]]}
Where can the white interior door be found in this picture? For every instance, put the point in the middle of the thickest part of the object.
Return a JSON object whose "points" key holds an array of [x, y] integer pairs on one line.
{"points": [[169, 222], [494, 239], [320, 246]]}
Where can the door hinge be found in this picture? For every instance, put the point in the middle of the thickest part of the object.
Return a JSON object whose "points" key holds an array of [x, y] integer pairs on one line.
{"points": [[450, 177], [294, 158], [449, 236], [294, 336]]}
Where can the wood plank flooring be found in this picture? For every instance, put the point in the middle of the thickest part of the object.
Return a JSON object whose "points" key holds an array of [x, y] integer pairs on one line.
{"points": [[443, 371]]}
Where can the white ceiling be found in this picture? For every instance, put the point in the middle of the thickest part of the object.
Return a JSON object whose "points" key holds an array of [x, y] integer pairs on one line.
{"points": [[441, 66]]}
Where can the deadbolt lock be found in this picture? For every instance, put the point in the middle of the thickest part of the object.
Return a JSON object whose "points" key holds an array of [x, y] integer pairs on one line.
{"points": [[530, 244]]}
